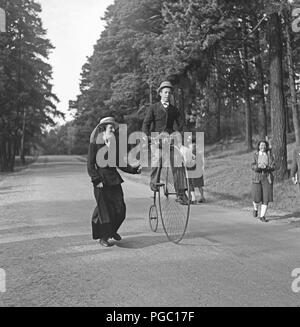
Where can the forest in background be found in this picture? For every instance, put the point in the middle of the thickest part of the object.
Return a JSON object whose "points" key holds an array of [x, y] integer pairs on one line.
{"points": [[235, 65], [27, 103]]}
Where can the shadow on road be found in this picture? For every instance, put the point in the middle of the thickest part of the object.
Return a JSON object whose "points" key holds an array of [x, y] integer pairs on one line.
{"points": [[290, 215], [140, 242], [243, 198], [143, 241]]}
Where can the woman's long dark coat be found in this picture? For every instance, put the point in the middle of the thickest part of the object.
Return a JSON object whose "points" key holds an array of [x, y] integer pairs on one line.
{"points": [[110, 211]]}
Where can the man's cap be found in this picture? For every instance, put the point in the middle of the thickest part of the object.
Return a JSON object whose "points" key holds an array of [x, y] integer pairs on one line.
{"points": [[163, 85], [108, 120]]}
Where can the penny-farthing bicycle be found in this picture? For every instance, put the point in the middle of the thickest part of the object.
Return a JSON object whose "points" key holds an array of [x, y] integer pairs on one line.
{"points": [[167, 201]]}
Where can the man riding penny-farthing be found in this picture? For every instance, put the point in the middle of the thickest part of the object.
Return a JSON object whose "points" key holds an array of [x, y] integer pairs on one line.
{"points": [[168, 178]]}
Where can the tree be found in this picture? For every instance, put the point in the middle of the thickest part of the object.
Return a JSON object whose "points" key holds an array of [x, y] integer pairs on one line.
{"points": [[291, 72], [27, 103], [278, 115], [227, 60]]}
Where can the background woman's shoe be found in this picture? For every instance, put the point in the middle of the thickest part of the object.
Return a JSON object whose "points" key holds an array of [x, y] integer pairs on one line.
{"points": [[182, 199], [117, 237], [263, 219], [105, 243], [255, 213]]}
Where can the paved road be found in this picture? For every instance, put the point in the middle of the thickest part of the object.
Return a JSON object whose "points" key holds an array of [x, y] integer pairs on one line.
{"points": [[227, 258]]}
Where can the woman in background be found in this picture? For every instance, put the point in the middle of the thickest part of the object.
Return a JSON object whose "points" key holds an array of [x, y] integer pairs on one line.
{"points": [[295, 169], [196, 182], [262, 179], [193, 156]]}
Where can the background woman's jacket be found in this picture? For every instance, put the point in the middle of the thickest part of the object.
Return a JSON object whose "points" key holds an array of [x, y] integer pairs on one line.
{"points": [[258, 172]]}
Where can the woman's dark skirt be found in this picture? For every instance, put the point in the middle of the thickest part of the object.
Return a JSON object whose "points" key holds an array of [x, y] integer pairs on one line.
{"points": [[109, 213], [196, 182], [262, 192]]}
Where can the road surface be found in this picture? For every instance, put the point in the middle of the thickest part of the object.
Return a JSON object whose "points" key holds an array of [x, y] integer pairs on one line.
{"points": [[226, 259]]}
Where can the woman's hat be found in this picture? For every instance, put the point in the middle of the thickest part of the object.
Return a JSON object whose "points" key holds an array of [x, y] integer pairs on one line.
{"points": [[163, 85], [108, 120]]}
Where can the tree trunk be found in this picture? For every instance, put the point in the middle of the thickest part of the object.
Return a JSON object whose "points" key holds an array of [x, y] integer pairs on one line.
{"points": [[214, 105], [247, 93], [208, 118], [218, 101], [9, 147], [218, 119], [287, 116], [278, 114], [150, 93], [14, 146], [7, 153], [262, 115], [2, 155], [292, 80], [182, 102], [22, 147]]}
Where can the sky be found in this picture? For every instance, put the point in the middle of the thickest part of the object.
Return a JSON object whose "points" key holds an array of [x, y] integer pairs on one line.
{"points": [[73, 27]]}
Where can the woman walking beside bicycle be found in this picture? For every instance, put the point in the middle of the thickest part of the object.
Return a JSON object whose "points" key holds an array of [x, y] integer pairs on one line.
{"points": [[262, 166], [110, 211]]}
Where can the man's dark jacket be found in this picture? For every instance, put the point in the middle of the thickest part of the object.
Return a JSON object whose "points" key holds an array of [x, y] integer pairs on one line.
{"points": [[163, 120]]}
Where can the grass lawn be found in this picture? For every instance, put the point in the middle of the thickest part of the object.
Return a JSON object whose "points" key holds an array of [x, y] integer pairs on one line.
{"points": [[228, 181]]}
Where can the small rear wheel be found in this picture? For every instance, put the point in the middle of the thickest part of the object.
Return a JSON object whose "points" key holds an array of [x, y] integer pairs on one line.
{"points": [[153, 218]]}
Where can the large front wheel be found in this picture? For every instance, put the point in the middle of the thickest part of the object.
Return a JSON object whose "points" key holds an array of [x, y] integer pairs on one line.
{"points": [[174, 211]]}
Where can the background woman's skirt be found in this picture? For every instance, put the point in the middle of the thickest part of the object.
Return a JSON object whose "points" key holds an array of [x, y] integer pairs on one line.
{"points": [[263, 191], [196, 182]]}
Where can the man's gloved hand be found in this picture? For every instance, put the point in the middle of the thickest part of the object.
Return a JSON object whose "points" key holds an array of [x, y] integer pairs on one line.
{"points": [[139, 169], [100, 185], [262, 166]]}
